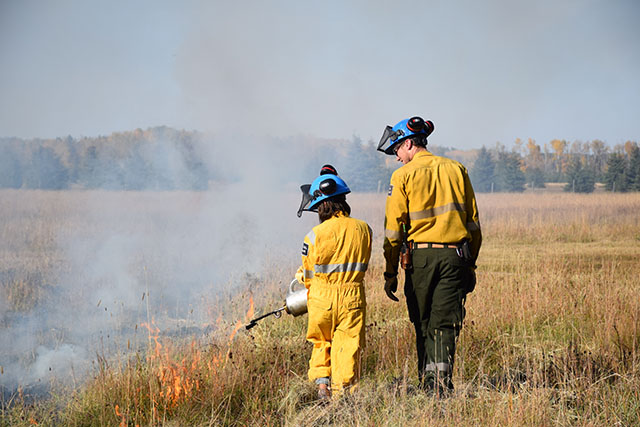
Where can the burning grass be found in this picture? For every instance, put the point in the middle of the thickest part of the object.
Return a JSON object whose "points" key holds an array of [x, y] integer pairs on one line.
{"points": [[551, 337]]}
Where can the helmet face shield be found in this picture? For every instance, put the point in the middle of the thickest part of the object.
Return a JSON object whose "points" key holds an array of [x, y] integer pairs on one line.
{"points": [[403, 130], [322, 188], [306, 199], [389, 138]]}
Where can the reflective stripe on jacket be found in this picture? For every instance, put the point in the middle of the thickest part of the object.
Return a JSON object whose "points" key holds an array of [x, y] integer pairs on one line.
{"points": [[434, 197], [336, 251]]}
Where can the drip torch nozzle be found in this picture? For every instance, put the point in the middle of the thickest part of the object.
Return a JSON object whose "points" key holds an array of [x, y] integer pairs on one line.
{"points": [[276, 313]]}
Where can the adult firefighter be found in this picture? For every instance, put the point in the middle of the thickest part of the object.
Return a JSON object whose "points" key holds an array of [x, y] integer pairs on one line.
{"points": [[431, 216], [335, 256]]}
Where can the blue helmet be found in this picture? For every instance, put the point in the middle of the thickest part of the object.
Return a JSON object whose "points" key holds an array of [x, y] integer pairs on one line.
{"points": [[325, 186], [403, 130]]}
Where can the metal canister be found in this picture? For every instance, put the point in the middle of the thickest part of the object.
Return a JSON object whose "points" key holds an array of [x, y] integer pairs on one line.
{"points": [[296, 302]]}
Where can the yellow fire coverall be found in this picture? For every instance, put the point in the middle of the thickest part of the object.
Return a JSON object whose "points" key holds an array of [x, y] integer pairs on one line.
{"points": [[335, 256]]}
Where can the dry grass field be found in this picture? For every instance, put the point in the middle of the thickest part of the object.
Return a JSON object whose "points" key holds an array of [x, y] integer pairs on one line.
{"points": [[551, 337]]}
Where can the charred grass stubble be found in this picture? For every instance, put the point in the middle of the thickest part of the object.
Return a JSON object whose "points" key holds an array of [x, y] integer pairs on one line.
{"points": [[550, 337]]}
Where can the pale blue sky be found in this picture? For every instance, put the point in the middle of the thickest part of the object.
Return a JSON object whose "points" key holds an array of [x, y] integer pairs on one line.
{"points": [[483, 71]]}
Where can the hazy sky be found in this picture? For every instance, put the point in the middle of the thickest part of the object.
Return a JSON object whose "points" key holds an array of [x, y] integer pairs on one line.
{"points": [[483, 71]]}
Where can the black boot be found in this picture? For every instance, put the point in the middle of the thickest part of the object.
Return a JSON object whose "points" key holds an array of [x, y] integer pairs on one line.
{"points": [[438, 384]]}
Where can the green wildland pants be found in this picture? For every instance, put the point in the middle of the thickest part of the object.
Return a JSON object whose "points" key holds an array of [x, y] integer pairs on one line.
{"points": [[435, 289]]}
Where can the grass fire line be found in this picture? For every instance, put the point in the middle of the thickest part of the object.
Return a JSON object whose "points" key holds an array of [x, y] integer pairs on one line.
{"points": [[176, 381]]}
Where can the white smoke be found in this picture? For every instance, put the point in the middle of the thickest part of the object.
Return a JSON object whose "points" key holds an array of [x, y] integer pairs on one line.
{"points": [[63, 362], [131, 257]]}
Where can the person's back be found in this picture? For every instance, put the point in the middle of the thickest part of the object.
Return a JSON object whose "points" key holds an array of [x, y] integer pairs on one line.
{"points": [[342, 250], [438, 195], [335, 257], [431, 217]]}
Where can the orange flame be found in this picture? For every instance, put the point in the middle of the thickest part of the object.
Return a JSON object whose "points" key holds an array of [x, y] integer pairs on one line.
{"points": [[239, 325], [179, 379], [235, 331], [214, 363], [154, 333], [123, 422], [250, 312]]}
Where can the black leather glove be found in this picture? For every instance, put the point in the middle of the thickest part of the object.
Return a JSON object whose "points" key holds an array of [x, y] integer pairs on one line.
{"points": [[391, 285]]}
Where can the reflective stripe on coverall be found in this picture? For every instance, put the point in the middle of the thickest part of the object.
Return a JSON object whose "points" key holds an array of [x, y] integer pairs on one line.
{"points": [[335, 256], [434, 197]]}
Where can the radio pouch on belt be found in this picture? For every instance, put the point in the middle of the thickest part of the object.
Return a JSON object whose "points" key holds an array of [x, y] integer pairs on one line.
{"points": [[406, 250], [464, 251]]}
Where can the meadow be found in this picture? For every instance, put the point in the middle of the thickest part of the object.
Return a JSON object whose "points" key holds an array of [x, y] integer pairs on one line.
{"points": [[551, 336]]}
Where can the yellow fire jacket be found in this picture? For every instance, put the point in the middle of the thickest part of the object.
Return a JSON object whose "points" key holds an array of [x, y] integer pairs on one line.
{"points": [[433, 196], [336, 251]]}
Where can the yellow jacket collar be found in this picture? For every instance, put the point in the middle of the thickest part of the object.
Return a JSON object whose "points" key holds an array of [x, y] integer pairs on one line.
{"points": [[422, 154]]}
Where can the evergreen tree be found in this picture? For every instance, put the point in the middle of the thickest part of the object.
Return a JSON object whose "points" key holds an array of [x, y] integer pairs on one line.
{"points": [[509, 175], [600, 153], [581, 179], [93, 169], [46, 171], [196, 173], [364, 167], [74, 158], [535, 177], [633, 169], [10, 168], [614, 178], [357, 169], [136, 170], [482, 174]]}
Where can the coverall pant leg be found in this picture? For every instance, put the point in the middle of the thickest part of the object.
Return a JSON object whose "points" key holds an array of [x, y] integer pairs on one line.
{"points": [[336, 329], [435, 291]]}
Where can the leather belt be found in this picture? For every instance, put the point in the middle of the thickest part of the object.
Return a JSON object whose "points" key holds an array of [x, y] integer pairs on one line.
{"points": [[420, 245]]}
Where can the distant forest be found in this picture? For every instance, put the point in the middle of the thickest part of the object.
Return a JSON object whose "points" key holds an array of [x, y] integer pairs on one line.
{"points": [[162, 158], [579, 164]]}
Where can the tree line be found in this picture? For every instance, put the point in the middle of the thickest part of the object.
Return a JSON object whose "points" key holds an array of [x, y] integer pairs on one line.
{"points": [[162, 158], [579, 165], [159, 158]]}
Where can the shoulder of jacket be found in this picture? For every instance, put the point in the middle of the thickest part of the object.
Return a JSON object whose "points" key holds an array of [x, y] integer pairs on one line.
{"points": [[400, 172], [317, 229], [361, 222], [416, 163], [433, 160], [457, 164], [442, 159], [326, 225]]}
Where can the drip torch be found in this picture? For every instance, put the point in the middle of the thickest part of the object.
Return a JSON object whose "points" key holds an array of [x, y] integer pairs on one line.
{"points": [[294, 304]]}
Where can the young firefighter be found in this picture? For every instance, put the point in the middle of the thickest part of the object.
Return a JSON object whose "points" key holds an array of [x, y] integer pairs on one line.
{"points": [[431, 208], [335, 256]]}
